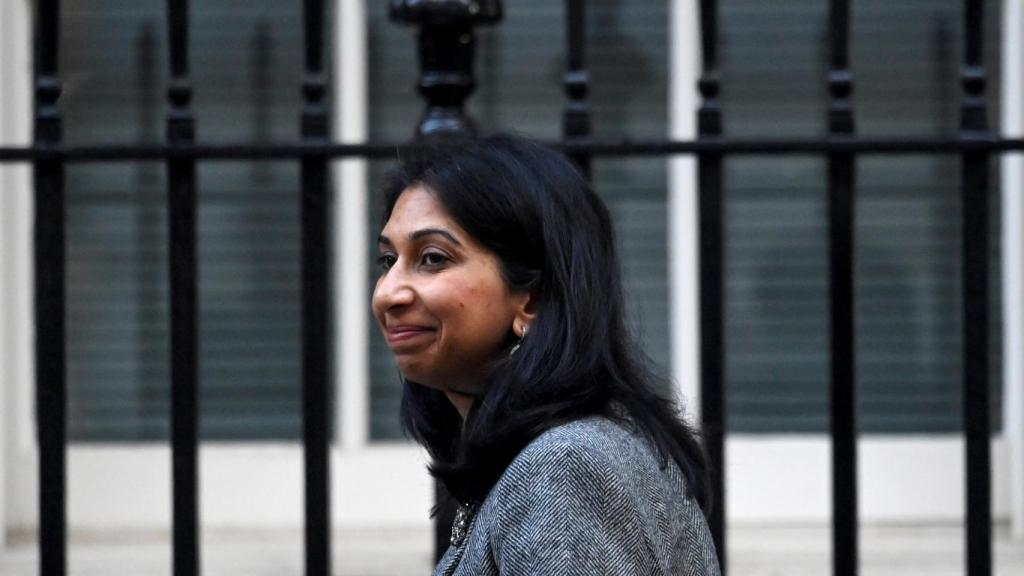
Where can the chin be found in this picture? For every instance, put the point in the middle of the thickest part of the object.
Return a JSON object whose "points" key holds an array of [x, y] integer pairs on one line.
{"points": [[419, 376], [426, 383], [434, 381]]}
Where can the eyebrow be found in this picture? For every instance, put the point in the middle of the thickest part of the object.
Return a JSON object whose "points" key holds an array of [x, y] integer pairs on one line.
{"points": [[382, 239]]}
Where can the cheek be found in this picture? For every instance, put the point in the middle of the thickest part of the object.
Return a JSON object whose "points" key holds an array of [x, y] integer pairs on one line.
{"points": [[469, 302], [480, 311]]}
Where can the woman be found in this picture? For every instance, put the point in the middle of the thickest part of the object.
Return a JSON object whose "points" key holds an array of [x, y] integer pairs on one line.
{"points": [[500, 296]]}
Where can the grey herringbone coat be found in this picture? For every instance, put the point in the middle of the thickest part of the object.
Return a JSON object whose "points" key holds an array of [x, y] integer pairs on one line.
{"points": [[586, 498]]}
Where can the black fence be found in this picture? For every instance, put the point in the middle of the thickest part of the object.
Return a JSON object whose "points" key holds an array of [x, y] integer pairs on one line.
{"points": [[446, 53]]}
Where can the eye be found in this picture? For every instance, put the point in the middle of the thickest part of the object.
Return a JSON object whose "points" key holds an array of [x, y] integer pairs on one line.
{"points": [[386, 261], [433, 259]]}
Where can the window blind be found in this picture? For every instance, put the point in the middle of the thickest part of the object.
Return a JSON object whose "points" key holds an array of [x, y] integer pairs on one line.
{"points": [[906, 60], [246, 66]]}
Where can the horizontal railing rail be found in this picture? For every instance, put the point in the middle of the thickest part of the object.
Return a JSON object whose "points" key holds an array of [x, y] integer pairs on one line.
{"points": [[446, 49], [124, 152]]}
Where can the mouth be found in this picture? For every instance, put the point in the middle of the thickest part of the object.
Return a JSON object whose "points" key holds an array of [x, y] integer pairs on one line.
{"points": [[403, 337]]}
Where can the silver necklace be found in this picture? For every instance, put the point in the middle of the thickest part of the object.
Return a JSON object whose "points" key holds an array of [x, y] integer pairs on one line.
{"points": [[463, 518]]}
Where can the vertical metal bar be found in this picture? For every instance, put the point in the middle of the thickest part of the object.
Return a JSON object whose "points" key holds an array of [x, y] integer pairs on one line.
{"points": [[181, 199], [447, 45], [315, 294], [576, 118], [712, 290], [975, 254], [841, 193], [51, 372], [446, 50]]}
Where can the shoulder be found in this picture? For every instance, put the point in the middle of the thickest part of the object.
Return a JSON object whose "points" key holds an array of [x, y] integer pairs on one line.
{"points": [[589, 497], [563, 499], [586, 467], [596, 443], [591, 432]]}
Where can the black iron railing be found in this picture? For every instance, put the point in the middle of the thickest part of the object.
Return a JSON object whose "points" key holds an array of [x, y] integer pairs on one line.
{"points": [[712, 277], [446, 81], [315, 299], [181, 202], [841, 193]]}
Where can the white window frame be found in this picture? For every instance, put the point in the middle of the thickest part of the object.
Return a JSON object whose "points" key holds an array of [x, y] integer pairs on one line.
{"points": [[1013, 257], [786, 478], [117, 486], [16, 334], [773, 479]]}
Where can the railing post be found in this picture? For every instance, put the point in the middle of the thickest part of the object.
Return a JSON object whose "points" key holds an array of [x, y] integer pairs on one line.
{"points": [[576, 117], [712, 289], [975, 256], [446, 49], [51, 345], [315, 301], [843, 382], [181, 197]]}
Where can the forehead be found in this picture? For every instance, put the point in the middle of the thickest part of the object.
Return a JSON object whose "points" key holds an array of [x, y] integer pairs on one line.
{"points": [[418, 207]]}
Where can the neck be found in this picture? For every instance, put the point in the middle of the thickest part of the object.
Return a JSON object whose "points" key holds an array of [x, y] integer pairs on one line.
{"points": [[462, 402]]}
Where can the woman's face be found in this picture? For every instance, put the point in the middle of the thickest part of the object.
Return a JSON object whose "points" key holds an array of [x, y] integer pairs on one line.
{"points": [[440, 300]]}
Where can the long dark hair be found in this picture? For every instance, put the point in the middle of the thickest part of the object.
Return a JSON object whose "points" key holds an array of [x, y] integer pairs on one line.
{"points": [[554, 237]]}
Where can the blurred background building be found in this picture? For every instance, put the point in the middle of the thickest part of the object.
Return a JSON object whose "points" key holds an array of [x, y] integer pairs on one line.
{"points": [[643, 57]]}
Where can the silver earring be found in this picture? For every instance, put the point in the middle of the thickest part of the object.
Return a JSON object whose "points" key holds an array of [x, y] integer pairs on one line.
{"points": [[518, 344]]}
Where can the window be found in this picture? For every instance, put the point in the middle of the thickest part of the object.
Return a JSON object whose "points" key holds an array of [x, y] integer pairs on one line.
{"points": [[246, 67], [906, 63]]}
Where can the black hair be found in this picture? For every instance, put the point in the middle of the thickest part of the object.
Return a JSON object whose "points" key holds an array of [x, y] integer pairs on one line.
{"points": [[554, 237]]}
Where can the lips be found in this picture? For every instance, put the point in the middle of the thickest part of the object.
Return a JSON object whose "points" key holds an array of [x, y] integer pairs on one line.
{"points": [[400, 337]]}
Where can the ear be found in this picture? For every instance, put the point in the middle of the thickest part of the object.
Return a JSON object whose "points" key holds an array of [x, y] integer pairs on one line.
{"points": [[527, 306]]}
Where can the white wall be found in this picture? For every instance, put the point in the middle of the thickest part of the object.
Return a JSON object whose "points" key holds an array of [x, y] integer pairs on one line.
{"points": [[15, 350], [1013, 255], [351, 218], [684, 62], [771, 480], [900, 480], [252, 486]]}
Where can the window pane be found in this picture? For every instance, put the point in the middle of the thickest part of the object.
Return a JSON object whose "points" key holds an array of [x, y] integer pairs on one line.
{"points": [[905, 58], [246, 67]]}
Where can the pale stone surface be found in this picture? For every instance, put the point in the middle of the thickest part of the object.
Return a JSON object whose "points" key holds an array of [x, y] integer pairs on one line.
{"points": [[270, 553], [754, 551], [893, 550]]}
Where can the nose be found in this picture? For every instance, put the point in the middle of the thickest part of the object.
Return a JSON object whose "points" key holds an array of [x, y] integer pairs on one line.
{"points": [[393, 290]]}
